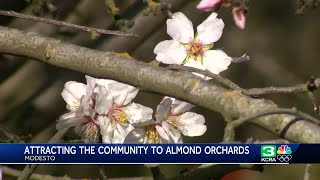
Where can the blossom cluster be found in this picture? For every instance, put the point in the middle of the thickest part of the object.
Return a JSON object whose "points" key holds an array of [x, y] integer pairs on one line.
{"points": [[102, 111]]}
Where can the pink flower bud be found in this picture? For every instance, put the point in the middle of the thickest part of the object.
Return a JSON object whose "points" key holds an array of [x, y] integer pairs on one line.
{"points": [[210, 5], [239, 16]]}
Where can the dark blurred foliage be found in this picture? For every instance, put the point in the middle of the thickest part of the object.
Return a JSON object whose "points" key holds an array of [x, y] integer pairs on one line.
{"points": [[284, 48]]}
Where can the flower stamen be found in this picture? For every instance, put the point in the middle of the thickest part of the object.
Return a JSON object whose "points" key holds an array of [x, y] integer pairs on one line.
{"points": [[151, 135], [90, 129], [195, 50]]}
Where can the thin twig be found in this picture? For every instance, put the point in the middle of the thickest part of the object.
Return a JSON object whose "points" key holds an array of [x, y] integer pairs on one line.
{"points": [[314, 101], [290, 89], [215, 77], [29, 169], [10, 135], [307, 172], [102, 173], [241, 59], [230, 127], [65, 24], [250, 92]]}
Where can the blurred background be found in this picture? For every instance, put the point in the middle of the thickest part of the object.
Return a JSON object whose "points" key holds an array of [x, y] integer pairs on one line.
{"points": [[284, 48]]}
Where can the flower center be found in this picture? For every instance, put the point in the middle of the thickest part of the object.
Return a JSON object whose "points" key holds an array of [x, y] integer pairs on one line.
{"points": [[195, 50], [76, 105], [174, 121], [151, 135], [90, 129], [118, 115]]}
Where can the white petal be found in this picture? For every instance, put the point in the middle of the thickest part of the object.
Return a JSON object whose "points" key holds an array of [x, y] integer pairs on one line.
{"points": [[101, 120], [135, 136], [163, 109], [210, 30], [103, 101], [120, 98], [68, 115], [136, 113], [132, 93], [105, 82], [91, 82], [122, 94], [180, 28], [76, 89], [216, 61], [179, 107], [106, 131], [120, 133], [162, 132], [72, 93], [174, 135], [69, 120], [192, 124], [195, 64], [170, 52]]}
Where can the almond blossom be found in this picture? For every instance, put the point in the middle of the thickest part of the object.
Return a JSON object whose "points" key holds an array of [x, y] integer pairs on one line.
{"points": [[103, 107], [190, 49], [117, 114], [172, 120]]}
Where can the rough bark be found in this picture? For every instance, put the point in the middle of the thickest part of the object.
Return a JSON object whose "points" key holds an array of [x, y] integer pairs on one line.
{"points": [[231, 104]]}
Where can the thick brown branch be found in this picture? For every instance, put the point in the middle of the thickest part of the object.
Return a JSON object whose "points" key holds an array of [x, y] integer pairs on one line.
{"points": [[65, 24], [182, 85]]}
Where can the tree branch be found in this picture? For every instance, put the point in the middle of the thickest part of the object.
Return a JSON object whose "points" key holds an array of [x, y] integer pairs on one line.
{"points": [[307, 172], [226, 82], [65, 24], [182, 85], [102, 172], [315, 83], [231, 126]]}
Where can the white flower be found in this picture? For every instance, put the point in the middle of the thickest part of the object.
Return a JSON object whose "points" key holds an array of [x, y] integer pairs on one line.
{"points": [[86, 127], [117, 112], [172, 120], [102, 107], [193, 50], [72, 93]]}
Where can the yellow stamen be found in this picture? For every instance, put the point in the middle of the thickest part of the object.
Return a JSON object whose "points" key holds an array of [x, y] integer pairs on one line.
{"points": [[91, 130], [151, 135]]}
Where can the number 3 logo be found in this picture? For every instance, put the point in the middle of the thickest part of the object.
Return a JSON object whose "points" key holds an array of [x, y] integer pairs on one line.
{"points": [[268, 151]]}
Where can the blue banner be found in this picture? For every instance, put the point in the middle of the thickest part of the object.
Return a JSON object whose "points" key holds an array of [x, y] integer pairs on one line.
{"points": [[158, 153]]}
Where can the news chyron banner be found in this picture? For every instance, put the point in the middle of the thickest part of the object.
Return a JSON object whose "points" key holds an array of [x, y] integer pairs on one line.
{"points": [[159, 153]]}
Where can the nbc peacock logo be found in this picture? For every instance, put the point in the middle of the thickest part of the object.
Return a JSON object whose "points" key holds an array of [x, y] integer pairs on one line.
{"points": [[284, 149], [284, 153]]}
